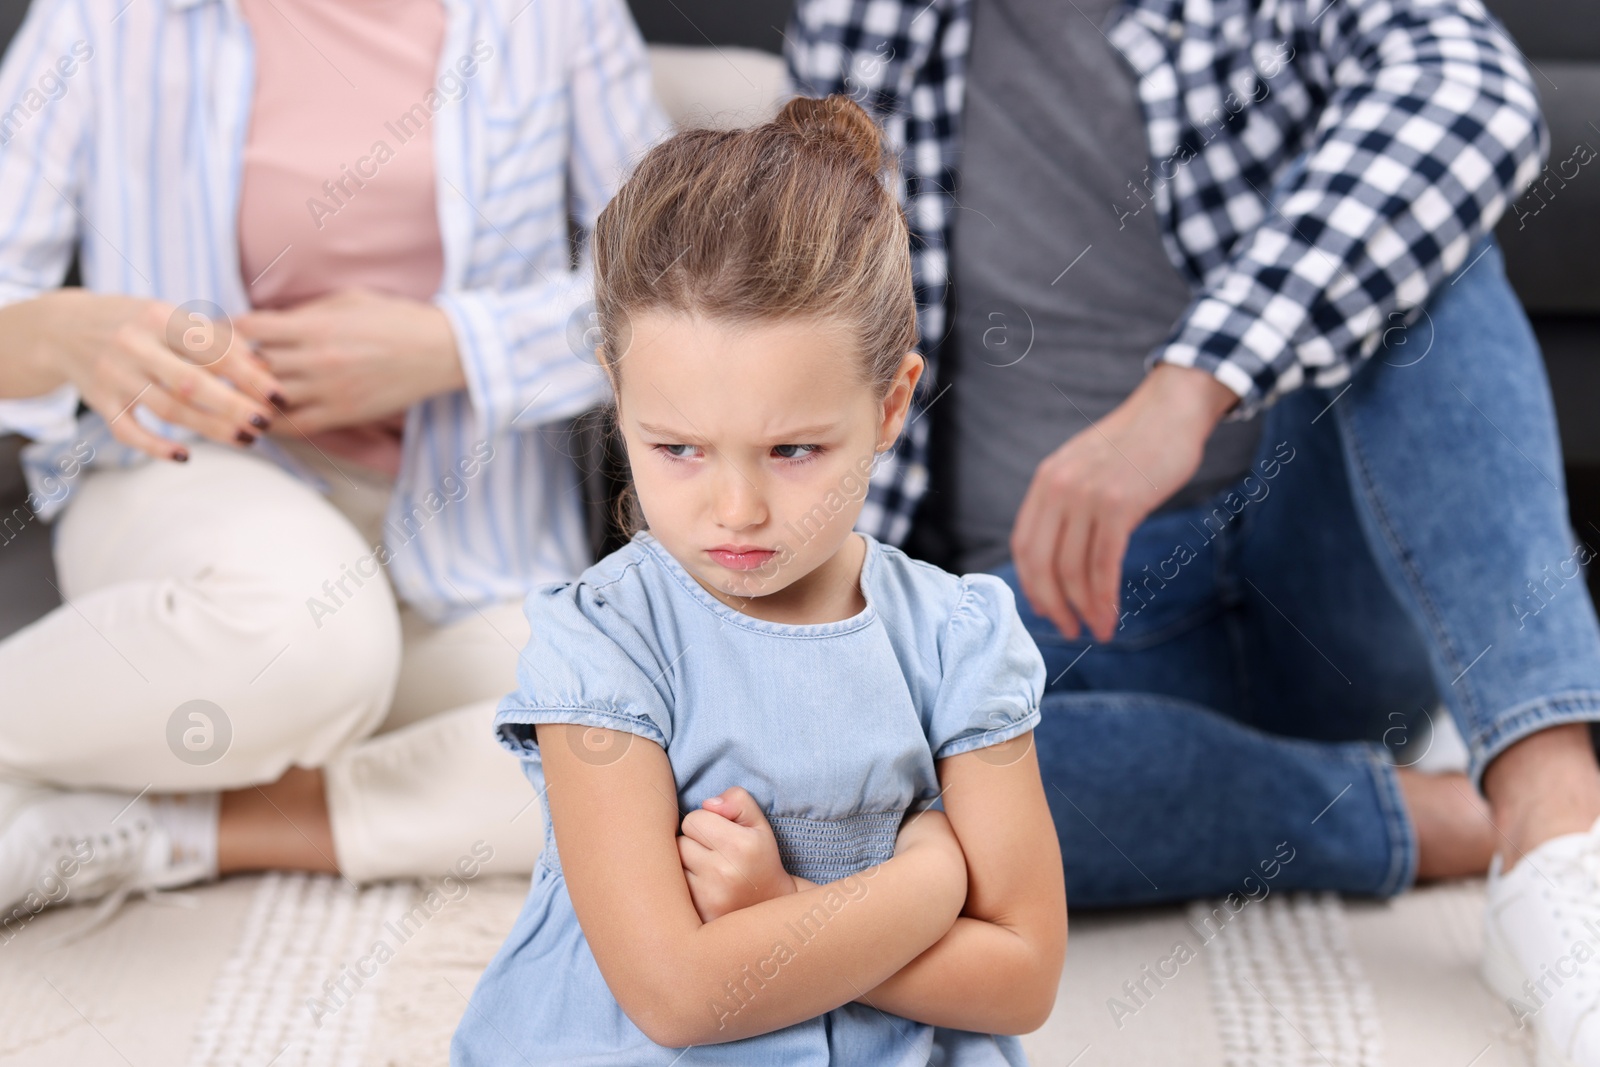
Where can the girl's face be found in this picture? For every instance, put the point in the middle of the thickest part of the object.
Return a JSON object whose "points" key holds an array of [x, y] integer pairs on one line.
{"points": [[751, 447]]}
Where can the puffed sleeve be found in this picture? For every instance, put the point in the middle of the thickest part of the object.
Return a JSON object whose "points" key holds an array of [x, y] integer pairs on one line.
{"points": [[584, 663], [992, 674]]}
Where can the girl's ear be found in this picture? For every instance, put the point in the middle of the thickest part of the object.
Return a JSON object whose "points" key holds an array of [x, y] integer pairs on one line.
{"points": [[897, 402]]}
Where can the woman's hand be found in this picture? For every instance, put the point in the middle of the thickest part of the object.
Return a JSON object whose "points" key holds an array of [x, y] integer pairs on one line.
{"points": [[730, 856], [355, 357], [122, 351]]}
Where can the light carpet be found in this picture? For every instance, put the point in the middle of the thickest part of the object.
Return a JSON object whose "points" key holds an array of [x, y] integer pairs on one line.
{"points": [[310, 971]]}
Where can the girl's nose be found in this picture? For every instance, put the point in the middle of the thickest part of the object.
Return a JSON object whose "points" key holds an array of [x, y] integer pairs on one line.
{"points": [[739, 502]]}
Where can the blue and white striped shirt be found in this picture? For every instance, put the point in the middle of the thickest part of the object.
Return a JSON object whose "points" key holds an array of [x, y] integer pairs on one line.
{"points": [[123, 132]]}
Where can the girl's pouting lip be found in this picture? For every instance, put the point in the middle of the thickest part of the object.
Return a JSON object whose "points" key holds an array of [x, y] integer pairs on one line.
{"points": [[741, 558]]}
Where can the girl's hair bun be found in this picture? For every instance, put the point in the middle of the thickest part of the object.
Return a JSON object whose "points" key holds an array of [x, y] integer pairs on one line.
{"points": [[835, 120]]}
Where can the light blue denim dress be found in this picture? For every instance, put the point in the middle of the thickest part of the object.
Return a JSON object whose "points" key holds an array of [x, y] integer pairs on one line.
{"points": [[832, 727]]}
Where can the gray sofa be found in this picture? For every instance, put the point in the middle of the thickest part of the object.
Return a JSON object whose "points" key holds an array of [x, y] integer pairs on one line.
{"points": [[1551, 236]]}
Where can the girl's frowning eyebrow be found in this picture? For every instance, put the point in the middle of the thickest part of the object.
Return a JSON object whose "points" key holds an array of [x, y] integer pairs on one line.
{"points": [[793, 436]]}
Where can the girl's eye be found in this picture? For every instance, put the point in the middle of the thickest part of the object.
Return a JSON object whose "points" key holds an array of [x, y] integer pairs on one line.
{"points": [[792, 453]]}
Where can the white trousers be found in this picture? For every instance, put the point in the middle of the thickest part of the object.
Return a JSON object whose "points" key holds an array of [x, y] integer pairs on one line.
{"points": [[188, 656]]}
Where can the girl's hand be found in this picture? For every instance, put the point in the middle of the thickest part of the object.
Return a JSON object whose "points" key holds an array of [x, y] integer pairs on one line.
{"points": [[730, 856]]}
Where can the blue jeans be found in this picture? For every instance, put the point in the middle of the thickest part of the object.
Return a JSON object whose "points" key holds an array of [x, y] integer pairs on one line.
{"points": [[1398, 544]]}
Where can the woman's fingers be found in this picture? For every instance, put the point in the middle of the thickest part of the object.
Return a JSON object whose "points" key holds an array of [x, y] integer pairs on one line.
{"points": [[114, 397], [250, 375], [308, 419], [291, 327], [206, 404], [214, 343], [167, 407], [126, 352], [287, 362], [207, 347]]}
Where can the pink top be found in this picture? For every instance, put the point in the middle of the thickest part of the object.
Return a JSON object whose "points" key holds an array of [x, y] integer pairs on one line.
{"points": [[338, 178]]}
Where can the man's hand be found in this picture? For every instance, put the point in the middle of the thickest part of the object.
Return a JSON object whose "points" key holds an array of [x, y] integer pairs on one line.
{"points": [[1088, 495], [355, 357], [730, 856]]}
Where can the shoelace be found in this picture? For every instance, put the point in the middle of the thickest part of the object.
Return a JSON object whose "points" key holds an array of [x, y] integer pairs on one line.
{"points": [[117, 862]]}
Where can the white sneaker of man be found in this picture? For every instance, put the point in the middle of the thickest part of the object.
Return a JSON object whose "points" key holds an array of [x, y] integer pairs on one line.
{"points": [[65, 846], [1541, 946]]}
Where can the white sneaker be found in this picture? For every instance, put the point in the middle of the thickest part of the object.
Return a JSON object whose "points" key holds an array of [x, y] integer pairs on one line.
{"points": [[59, 846], [1541, 946]]}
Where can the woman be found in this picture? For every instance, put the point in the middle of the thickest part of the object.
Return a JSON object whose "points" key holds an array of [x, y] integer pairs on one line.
{"points": [[322, 339]]}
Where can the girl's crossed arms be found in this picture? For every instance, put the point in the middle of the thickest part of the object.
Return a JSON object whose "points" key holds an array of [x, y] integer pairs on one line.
{"points": [[965, 927]]}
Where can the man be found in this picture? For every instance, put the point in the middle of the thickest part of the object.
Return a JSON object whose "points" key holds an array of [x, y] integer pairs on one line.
{"points": [[1241, 404]]}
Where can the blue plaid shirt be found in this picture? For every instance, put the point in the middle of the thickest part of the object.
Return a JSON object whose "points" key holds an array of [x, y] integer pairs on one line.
{"points": [[1317, 168]]}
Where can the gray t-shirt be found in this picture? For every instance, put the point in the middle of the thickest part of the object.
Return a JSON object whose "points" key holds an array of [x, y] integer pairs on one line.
{"points": [[1056, 300]]}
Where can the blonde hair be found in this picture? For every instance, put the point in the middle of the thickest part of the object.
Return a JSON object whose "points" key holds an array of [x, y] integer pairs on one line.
{"points": [[790, 219]]}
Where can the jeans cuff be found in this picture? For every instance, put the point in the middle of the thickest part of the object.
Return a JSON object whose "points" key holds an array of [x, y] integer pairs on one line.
{"points": [[1402, 835], [1511, 726]]}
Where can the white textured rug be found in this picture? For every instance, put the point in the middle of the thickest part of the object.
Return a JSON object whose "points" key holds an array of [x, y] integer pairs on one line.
{"points": [[305, 971]]}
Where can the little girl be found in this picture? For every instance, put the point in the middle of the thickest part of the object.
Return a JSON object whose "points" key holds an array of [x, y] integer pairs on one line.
{"points": [[804, 692]]}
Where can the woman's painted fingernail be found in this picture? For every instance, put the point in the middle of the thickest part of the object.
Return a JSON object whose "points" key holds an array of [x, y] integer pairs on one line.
{"points": [[278, 400], [245, 438], [259, 422], [180, 455]]}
